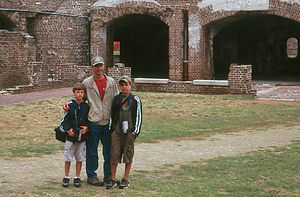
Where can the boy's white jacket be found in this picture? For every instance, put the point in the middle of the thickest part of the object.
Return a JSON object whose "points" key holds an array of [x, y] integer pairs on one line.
{"points": [[100, 110]]}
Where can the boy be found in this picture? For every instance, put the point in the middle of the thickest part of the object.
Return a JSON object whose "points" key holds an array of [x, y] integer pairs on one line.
{"points": [[126, 115], [74, 123]]}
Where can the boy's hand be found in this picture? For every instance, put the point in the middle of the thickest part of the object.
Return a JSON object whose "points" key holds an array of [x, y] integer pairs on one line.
{"points": [[66, 107], [71, 133], [83, 129]]}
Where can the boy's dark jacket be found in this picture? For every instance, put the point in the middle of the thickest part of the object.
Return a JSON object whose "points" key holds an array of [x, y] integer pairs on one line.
{"points": [[69, 120], [136, 112]]}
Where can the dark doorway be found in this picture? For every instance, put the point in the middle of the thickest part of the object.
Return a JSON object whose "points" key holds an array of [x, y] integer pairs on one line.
{"points": [[6, 23], [144, 45], [261, 41]]}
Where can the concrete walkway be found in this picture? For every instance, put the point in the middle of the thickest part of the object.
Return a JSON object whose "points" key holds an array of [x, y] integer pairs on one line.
{"points": [[31, 96]]}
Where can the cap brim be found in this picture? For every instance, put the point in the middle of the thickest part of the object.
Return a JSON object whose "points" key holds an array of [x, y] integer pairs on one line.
{"points": [[124, 80], [98, 63]]}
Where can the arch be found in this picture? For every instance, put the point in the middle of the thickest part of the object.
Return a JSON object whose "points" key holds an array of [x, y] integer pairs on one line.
{"points": [[257, 39], [6, 23], [144, 44], [104, 15]]}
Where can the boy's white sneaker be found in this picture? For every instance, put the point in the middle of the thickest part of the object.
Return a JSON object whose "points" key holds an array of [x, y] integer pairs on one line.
{"points": [[124, 184], [65, 181]]}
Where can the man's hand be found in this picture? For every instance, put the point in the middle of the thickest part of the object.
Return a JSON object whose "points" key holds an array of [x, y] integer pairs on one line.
{"points": [[66, 107], [84, 129], [71, 133]]}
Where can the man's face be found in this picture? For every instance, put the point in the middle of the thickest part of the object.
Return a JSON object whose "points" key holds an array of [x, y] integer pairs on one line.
{"points": [[125, 88], [79, 94], [98, 69]]}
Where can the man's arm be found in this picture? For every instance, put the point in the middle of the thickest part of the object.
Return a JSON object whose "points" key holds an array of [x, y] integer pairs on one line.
{"points": [[66, 106], [114, 110], [115, 89]]}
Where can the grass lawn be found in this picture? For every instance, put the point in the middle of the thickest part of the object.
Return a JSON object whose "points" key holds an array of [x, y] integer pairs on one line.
{"points": [[27, 129], [271, 172]]}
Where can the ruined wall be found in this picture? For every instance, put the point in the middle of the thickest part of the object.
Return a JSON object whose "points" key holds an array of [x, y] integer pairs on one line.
{"points": [[240, 79], [17, 52], [119, 70], [170, 12], [60, 41]]}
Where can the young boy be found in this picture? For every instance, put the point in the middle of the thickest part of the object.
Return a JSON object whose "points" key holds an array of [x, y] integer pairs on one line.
{"points": [[74, 123], [126, 114]]}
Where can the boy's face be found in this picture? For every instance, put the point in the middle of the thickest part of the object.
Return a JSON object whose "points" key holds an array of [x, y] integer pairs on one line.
{"points": [[79, 94], [125, 88]]}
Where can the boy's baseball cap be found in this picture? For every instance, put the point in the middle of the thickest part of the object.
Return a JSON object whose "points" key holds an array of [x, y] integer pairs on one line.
{"points": [[125, 79], [97, 60]]}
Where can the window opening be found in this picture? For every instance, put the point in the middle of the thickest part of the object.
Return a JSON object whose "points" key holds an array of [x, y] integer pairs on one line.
{"points": [[292, 47]]}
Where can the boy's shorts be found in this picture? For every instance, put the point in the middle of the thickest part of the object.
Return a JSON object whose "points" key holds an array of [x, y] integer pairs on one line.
{"points": [[75, 148], [121, 144]]}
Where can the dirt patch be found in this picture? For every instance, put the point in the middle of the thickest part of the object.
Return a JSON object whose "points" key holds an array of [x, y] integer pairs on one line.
{"points": [[23, 174]]}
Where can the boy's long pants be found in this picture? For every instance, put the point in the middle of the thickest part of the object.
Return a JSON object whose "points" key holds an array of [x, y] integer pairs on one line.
{"points": [[96, 133]]}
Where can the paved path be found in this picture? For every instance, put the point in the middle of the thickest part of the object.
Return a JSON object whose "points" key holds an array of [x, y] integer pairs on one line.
{"points": [[23, 175], [272, 91], [31, 96], [265, 91]]}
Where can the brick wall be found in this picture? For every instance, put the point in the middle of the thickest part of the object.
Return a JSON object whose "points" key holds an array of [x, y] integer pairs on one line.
{"points": [[240, 79], [181, 87], [62, 43], [117, 71], [17, 52]]}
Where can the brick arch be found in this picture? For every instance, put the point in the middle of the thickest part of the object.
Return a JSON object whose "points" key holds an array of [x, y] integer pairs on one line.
{"points": [[105, 15], [144, 45], [258, 39], [275, 7], [285, 9]]}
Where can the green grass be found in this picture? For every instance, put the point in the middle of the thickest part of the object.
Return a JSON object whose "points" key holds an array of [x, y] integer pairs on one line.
{"points": [[266, 173], [270, 172], [27, 129]]}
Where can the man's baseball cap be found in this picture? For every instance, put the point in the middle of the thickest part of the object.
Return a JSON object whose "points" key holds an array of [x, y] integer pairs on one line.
{"points": [[97, 60], [125, 79]]}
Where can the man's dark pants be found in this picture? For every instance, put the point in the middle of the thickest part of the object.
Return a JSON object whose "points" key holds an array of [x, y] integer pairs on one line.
{"points": [[96, 133]]}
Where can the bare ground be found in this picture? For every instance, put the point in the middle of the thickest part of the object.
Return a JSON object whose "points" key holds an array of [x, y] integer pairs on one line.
{"points": [[24, 174]]}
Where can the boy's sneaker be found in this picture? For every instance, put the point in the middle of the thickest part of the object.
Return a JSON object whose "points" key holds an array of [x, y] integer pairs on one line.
{"points": [[65, 182], [124, 184], [77, 182], [106, 179], [94, 181], [112, 184]]}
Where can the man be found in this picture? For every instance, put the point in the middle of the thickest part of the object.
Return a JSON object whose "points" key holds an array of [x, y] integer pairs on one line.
{"points": [[100, 91]]}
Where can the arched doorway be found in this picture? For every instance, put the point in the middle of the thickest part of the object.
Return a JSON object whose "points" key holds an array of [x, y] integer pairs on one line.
{"points": [[144, 45], [259, 40], [6, 23]]}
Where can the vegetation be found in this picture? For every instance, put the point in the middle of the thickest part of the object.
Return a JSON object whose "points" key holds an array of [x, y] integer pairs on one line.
{"points": [[27, 129]]}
